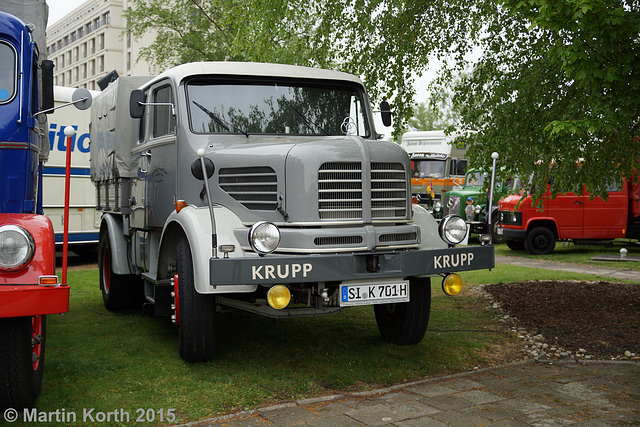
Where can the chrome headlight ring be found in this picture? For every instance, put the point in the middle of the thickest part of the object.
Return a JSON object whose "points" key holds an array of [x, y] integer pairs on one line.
{"points": [[16, 247], [453, 229], [264, 237]]}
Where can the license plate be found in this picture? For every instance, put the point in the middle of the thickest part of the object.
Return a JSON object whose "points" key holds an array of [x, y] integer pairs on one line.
{"points": [[373, 293]]}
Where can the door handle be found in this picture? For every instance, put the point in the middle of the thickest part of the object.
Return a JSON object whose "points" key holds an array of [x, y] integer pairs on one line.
{"points": [[145, 160], [577, 202]]}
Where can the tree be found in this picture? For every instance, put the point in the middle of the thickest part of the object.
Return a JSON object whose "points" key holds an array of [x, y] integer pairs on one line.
{"points": [[385, 42], [558, 84]]}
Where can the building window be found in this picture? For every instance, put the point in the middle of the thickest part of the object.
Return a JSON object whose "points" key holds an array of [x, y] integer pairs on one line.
{"points": [[101, 42], [106, 18], [92, 46], [100, 64]]}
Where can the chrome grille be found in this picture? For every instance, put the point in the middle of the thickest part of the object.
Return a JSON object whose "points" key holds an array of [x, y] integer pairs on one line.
{"points": [[256, 188], [388, 191], [340, 191]]}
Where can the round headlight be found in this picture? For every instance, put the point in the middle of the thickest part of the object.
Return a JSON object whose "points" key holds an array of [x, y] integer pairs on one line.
{"points": [[264, 237], [453, 229], [437, 206], [16, 247]]}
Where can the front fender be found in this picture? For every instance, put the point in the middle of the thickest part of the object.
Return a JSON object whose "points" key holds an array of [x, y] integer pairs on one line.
{"points": [[44, 257], [195, 224]]}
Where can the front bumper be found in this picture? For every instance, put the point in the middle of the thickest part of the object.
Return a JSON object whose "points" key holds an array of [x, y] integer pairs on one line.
{"points": [[341, 267], [31, 300], [510, 234]]}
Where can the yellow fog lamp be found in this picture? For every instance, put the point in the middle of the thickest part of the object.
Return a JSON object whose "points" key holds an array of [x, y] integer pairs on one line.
{"points": [[278, 297], [452, 284]]}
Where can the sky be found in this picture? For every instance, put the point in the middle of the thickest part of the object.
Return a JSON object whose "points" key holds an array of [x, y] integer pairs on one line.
{"points": [[59, 8]]}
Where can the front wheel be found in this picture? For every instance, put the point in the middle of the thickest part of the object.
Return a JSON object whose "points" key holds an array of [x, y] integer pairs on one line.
{"points": [[197, 312], [406, 323], [515, 245], [540, 241], [21, 360], [497, 238]]}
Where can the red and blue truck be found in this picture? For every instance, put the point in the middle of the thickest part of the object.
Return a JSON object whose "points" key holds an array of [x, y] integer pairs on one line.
{"points": [[29, 287]]}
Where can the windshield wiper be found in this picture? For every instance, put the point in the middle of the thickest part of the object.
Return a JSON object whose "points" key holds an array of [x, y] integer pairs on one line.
{"points": [[314, 127], [221, 122]]}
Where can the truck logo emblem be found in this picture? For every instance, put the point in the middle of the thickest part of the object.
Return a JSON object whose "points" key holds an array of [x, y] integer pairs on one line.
{"points": [[453, 260], [281, 271]]}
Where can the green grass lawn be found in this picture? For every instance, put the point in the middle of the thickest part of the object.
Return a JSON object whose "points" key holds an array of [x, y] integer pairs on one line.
{"points": [[568, 252], [130, 362]]}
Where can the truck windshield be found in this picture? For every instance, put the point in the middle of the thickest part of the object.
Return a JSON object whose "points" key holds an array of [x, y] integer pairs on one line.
{"points": [[428, 168], [217, 106], [475, 179], [8, 72]]}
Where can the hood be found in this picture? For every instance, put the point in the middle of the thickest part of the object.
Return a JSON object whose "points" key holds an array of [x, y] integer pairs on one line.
{"points": [[314, 180]]}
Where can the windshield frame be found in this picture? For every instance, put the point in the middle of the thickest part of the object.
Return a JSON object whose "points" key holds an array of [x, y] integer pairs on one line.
{"points": [[213, 80], [13, 66]]}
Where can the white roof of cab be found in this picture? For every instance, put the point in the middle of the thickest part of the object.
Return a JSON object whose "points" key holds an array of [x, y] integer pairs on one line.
{"points": [[254, 69]]}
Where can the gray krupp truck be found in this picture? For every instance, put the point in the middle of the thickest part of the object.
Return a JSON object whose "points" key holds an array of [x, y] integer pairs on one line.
{"points": [[265, 188]]}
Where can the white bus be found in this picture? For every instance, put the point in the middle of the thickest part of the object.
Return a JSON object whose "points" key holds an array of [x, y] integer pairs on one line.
{"points": [[84, 223]]}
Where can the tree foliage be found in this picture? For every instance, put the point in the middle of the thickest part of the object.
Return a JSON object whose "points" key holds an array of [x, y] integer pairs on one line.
{"points": [[433, 116], [558, 84], [557, 81], [385, 42]]}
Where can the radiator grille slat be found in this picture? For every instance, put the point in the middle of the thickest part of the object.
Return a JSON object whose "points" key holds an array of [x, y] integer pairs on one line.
{"points": [[388, 191], [340, 194], [256, 188], [340, 191]]}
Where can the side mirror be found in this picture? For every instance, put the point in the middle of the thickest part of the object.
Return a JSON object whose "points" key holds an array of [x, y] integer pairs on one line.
{"points": [[47, 84], [136, 104], [81, 98], [385, 112]]}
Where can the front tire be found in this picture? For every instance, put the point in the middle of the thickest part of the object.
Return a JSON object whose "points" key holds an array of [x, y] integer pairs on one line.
{"points": [[497, 238], [21, 360], [540, 241], [197, 335], [515, 245], [406, 323]]}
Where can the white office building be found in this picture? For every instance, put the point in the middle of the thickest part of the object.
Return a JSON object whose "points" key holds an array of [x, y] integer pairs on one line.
{"points": [[89, 42]]}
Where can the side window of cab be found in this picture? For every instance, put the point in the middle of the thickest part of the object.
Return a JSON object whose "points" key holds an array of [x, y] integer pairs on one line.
{"points": [[163, 121]]}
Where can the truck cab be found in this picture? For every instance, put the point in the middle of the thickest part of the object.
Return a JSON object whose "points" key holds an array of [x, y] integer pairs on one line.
{"points": [[438, 164]]}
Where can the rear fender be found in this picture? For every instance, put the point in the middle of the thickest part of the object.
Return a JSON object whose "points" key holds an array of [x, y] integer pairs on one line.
{"points": [[119, 260]]}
